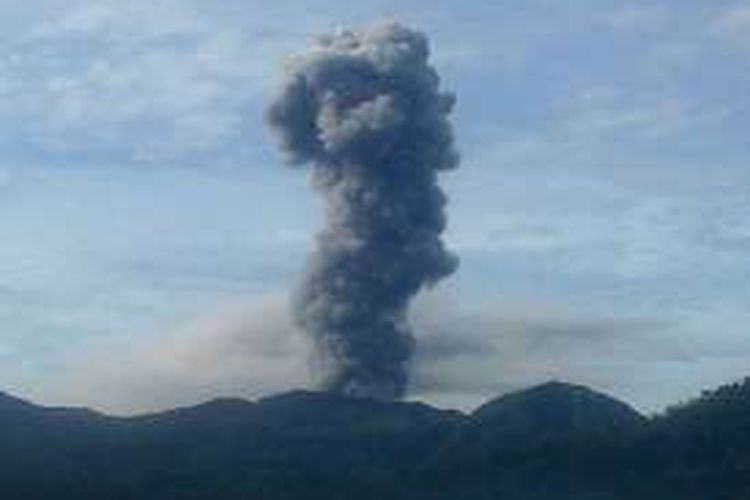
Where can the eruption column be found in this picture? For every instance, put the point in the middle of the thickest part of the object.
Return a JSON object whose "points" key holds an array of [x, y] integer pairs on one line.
{"points": [[365, 112]]}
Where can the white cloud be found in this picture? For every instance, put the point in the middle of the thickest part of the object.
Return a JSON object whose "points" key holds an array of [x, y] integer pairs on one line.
{"points": [[733, 25], [600, 113], [558, 218], [635, 19], [151, 81], [118, 21]]}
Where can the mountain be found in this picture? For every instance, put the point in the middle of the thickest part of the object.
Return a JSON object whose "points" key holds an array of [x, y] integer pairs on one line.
{"points": [[556, 441], [565, 442], [703, 444], [295, 445], [544, 442], [10, 404], [551, 413]]}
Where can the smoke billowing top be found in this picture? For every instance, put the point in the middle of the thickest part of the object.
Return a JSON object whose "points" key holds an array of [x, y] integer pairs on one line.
{"points": [[365, 111]]}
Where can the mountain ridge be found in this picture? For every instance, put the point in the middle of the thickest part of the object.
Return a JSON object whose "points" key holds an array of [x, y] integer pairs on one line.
{"points": [[554, 441], [313, 396]]}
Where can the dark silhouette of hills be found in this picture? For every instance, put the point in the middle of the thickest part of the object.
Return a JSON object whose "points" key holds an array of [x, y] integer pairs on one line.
{"points": [[554, 441], [551, 413]]}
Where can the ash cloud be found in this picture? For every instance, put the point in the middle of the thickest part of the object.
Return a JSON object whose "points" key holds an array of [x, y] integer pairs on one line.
{"points": [[364, 110], [473, 352], [238, 351]]}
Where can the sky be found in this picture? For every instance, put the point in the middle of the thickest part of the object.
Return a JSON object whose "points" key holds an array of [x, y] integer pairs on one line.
{"points": [[151, 235]]}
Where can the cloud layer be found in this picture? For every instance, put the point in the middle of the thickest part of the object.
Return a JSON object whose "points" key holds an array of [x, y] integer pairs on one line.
{"points": [[467, 354]]}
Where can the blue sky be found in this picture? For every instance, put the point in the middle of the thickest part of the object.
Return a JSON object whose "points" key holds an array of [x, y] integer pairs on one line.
{"points": [[150, 234]]}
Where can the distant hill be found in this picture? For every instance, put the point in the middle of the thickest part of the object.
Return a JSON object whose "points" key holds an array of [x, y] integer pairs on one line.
{"points": [[551, 413], [551, 442]]}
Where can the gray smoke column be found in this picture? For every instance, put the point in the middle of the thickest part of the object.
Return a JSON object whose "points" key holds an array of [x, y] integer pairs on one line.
{"points": [[364, 110]]}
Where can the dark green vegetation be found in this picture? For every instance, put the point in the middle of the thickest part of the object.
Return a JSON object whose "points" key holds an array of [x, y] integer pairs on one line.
{"points": [[552, 442]]}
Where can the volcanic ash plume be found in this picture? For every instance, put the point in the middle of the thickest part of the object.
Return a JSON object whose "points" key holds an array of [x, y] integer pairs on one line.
{"points": [[364, 110]]}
